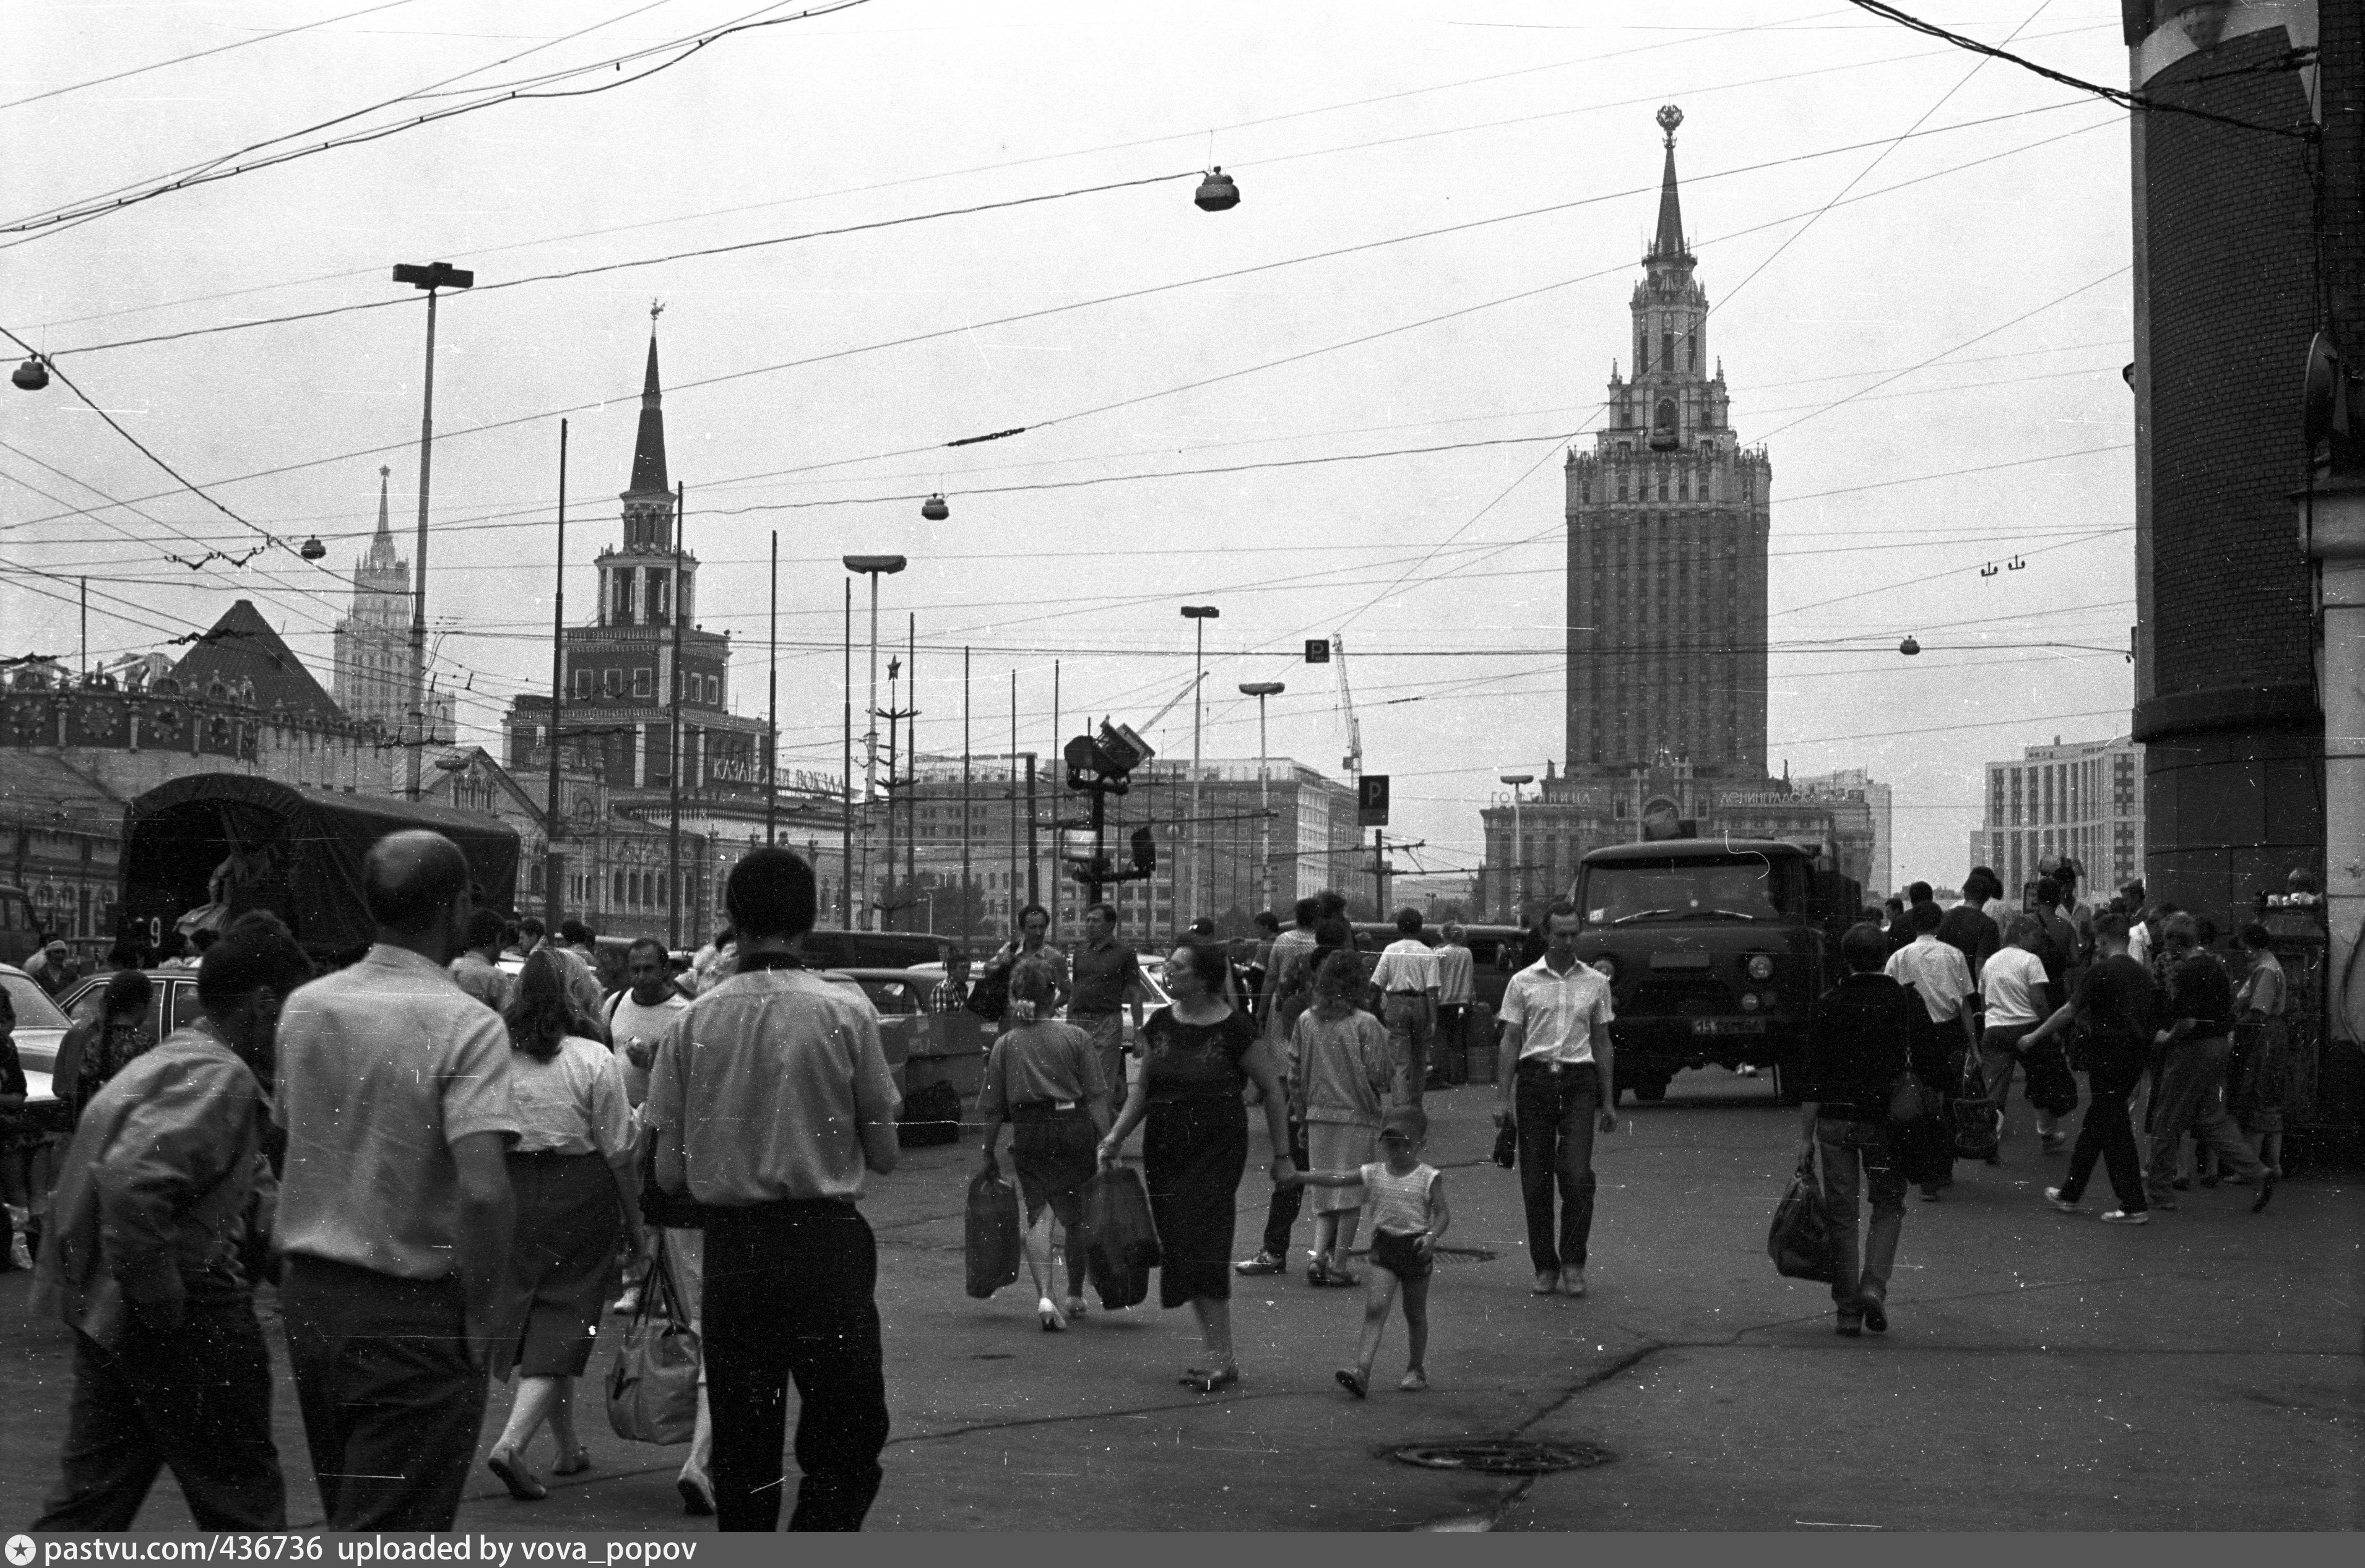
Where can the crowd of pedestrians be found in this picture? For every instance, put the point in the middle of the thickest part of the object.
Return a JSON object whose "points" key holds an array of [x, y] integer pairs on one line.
{"points": [[443, 1164]]}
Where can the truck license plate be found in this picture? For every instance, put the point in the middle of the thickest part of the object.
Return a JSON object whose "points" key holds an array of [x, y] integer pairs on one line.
{"points": [[1727, 1025]]}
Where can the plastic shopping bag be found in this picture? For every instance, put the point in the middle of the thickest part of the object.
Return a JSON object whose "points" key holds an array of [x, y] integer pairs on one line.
{"points": [[992, 1238], [1124, 1246]]}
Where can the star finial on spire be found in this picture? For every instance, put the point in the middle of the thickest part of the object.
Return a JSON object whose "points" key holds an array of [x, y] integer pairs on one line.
{"points": [[1670, 117]]}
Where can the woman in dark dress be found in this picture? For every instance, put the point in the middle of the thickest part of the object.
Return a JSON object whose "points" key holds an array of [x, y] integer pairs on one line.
{"points": [[1199, 1055], [574, 1180]]}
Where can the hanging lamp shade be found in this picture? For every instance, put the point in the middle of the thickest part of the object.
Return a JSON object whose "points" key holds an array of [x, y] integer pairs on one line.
{"points": [[1217, 192], [313, 549], [31, 376], [935, 508], [1908, 647]]}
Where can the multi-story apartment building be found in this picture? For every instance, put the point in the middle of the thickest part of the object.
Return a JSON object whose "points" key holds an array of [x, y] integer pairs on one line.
{"points": [[2082, 798]]}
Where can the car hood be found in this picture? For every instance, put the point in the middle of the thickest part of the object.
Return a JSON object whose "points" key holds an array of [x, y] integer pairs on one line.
{"points": [[37, 1052]]}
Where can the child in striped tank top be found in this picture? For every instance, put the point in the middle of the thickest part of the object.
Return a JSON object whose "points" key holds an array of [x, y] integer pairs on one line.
{"points": [[1405, 1199]]}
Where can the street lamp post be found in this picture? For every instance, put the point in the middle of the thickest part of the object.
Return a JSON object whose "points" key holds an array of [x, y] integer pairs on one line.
{"points": [[1519, 850], [874, 567], [431, 277], [1198, 615], [1261, 690]]}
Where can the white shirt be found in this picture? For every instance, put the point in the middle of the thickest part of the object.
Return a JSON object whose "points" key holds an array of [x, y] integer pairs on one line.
{"points": [[2139, 943], [1456, 975], [631, 1021], [1560, 1012], [573, 1104], [1405, 965], [1936, 970], [2009, 983]]}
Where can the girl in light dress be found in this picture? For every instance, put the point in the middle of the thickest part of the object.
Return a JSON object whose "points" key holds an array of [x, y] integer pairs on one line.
{"points": [[1406, 1199]]}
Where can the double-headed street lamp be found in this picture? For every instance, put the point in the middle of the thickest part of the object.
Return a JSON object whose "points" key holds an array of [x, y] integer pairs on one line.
{"points": [[1198, 615], [1261, 690], [874, 567], [431, 277], [1519, 850]]}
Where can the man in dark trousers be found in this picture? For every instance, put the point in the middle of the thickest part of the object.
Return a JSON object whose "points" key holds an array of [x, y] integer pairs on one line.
{"points": [[1556, 1080], [163, 1207], [395, 1213], [769, 1098]]}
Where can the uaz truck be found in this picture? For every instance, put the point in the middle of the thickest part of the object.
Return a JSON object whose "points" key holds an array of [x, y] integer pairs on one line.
{"points": [[1715, 950]]}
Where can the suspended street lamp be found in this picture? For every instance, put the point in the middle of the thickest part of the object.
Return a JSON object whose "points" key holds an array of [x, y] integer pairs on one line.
{"points": [[1908, 647], [1218, 193], [313, 549], [31, 376], [935, 508]]}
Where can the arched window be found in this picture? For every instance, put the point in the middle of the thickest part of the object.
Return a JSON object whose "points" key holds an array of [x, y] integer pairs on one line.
{"points": [[1666, 351], [619, 887], [1665, 417], [1691, 349]]}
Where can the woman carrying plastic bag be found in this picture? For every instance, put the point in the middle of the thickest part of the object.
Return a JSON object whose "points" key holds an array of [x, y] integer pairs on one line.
{"points": [[1043, 1078]]}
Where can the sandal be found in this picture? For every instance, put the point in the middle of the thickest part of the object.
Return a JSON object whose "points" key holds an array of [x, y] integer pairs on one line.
{"points": [[1209, 1382], [1047, 1312], [1353, 1382], [1317, 1272]]}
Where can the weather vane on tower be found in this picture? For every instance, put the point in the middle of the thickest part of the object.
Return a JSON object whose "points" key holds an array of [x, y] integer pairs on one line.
{"points": [[656, 307], [1670, 117]]}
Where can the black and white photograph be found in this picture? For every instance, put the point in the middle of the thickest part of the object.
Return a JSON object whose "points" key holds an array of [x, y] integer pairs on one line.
{"points": [[1011, 766]]}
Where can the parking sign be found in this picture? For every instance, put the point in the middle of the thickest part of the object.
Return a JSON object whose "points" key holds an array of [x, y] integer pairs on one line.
{"points": [[1371, 801]]}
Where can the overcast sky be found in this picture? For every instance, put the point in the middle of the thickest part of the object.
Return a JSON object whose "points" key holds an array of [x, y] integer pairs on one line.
{"points": [[1932, 361]]}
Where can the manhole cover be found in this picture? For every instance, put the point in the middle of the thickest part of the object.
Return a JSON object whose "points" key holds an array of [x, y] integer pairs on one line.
{"points": [[1506, 1457]]}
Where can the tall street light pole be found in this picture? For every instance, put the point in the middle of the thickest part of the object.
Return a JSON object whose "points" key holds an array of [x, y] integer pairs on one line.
{"points": [[874, 567], [1519, 849], [1261, 690], [431, 277], [553, 859], [1198, 615], [772, 724]]}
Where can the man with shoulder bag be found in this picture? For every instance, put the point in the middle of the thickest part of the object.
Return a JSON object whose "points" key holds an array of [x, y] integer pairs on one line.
{"points": [[1856, 1075]]}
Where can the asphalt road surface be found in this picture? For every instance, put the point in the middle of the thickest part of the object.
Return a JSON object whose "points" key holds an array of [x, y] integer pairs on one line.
{"points": [[2042, 1372]]}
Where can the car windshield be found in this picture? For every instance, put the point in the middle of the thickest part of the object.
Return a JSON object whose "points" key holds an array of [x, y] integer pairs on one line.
{"points": [[1638, 891], [34, 1008]]}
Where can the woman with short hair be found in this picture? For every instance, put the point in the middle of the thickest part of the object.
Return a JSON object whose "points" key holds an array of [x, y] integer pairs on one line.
{"points": [[2259, 1003], [1339, 1092], [573, 1174], [1043, 1078], [1199, 1055]]}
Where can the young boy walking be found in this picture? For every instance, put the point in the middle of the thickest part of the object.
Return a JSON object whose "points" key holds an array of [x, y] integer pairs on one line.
{"points": [[1406, 1199]]}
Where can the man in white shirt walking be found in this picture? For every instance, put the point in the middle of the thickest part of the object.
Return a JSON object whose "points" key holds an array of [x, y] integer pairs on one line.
{"points": [[2018, 998], [1406, 979], [1457, 989], [1937, 972], [1556, 1081]]}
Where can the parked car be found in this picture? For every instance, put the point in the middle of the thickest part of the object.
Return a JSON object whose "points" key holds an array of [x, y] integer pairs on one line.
{"points": [[175, 1003], [900, 997], [41, 1025]]}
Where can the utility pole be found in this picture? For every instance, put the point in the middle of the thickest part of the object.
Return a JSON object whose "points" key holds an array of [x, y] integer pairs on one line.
{"points": [[434, 276], [1198, 615], [1261, 690], [845, 781], [673, 765], [888, 907], [772, 725], [965, 823], [553, 859], [911, 752]]}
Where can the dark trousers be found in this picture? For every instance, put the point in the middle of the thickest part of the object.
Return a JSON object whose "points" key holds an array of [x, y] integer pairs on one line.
{"points": [[1449, 1057], [196, 1398], [1555, 1111], [1281, 1213], [391, 1406], [790, 1295], [2106, 1134]]}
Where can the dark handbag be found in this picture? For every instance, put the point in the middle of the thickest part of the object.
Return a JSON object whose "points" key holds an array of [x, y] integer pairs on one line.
{"points": [[653, 1383], [1507, 1146], [990, 997], [1911, 1101], [1801, 1241], [2052, 1087], [990, 1241], [1123, 1237], [677, 1211]]}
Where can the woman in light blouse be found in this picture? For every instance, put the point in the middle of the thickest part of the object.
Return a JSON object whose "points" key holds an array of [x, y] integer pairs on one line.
{"points": [[573, 1174]]}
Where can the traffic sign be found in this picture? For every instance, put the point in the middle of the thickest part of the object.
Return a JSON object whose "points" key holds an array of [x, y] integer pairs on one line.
{"points": [[1318, 650], [1371, 801]]}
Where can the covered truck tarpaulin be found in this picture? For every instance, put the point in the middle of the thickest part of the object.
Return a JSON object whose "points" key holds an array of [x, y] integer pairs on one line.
{"points": [[253, 843]]}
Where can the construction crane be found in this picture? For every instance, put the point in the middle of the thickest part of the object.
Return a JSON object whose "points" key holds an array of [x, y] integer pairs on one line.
{"points": [[1353, 761]]}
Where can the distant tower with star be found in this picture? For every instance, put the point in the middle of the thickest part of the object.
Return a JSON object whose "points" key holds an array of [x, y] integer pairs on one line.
{"points": [[1668, 520], [371, 662]]}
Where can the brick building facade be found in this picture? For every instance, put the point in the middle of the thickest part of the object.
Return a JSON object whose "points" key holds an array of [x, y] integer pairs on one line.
{"points": [[2238, 258]]}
